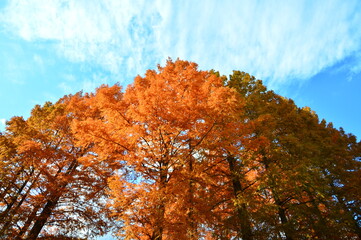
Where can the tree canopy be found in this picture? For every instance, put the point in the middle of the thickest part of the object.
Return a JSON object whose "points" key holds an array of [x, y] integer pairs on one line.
{"points": [[179, 154]]}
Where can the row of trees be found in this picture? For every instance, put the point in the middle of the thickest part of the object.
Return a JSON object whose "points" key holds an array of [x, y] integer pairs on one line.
{"points": [[180, 154]]}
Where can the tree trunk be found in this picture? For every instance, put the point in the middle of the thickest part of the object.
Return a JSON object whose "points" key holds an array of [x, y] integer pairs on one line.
{"points": [[159, 223], [159, 226], [284, 221], [8, 215], [241, 209], [191, 226], [41, 220], [27, 224], [14, 198], [279, 203], [51, 203]]}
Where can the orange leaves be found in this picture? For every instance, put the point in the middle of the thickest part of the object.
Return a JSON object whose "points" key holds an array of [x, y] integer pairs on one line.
{"points": [[46, 176], [161, 127], [180, 154], [179, 94]]}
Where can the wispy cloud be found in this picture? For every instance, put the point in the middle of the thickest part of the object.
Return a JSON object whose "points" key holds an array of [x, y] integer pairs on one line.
{"points": [[2, 122], [274, 40], [114, 35], [356, 67], [73, 84], [95, 81]]}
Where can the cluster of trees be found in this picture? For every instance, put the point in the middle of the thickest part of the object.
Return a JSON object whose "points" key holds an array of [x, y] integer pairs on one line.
{"points": [[180, 154]]}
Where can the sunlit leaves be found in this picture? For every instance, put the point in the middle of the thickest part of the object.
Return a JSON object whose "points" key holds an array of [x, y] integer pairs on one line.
{"points": [[179, 154]]}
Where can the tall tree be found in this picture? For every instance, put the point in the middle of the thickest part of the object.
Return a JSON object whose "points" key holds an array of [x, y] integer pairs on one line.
{"points": [[181, 153], [164, 122], [48, 189], [294, 164]]}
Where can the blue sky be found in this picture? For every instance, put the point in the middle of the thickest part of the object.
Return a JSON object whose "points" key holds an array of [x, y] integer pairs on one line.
{"points": [[309, 51]]}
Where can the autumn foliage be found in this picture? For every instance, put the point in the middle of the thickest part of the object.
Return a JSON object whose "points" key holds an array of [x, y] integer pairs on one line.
{"points": [[179, 154]]}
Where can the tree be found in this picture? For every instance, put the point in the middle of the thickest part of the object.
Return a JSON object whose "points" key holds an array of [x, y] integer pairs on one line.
{"points": [[165, 122], [296, 162], [46, 187], [180, 154]]}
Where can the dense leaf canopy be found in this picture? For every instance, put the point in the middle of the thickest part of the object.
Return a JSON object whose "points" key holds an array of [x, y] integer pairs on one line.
{"points": [[179, 154]]}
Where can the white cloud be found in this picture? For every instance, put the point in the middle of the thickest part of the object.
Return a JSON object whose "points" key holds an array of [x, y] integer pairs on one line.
{"points": [[103, 33], [91, 84], [274, 40], [68, 85], [271, 39], [72, 84], [356, 68], [2, 121], [65, 87]]}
